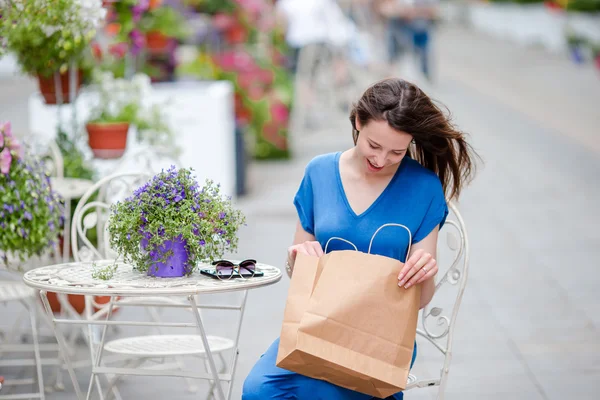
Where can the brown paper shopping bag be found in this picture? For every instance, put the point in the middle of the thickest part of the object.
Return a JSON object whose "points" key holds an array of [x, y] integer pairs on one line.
{"points": [[347, 322]]}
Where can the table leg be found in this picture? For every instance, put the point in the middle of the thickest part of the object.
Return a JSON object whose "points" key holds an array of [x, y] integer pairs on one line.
{"points": [[97, 358], [209, 356], [236, 346], [61, 344]]}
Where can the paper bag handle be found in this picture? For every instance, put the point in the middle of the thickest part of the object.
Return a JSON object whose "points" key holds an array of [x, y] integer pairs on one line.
{"points": [[373, 238], [392, 224], [339, 238]]}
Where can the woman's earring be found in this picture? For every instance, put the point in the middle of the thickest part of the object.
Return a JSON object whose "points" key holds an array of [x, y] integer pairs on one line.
{"points": [[413, 141]]}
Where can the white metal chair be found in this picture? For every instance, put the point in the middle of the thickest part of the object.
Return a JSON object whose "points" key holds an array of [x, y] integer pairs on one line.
{"points": [[94, 215], [14, 290], [437, 325]]}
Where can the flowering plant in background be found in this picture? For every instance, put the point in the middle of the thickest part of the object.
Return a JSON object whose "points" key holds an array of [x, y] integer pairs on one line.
{"points": [[45, 35], [172, 206], [31, 213], [121, 100], [127, 15]]}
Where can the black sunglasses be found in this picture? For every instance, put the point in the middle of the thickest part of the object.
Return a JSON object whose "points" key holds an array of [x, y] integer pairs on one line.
{"points": [[226, 269]]}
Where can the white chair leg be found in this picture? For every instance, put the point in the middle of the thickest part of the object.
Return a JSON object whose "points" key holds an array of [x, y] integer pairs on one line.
{"points": [[36, 348]]}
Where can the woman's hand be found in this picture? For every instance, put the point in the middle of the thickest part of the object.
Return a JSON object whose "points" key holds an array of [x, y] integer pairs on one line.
{"points": [[310, 248], [419, 267]]}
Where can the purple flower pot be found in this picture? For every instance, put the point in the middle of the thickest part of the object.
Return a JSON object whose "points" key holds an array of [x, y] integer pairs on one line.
{"points": [[176, 264]]}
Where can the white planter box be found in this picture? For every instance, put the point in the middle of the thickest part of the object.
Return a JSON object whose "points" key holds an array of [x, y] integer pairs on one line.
{"points": [[201, 113]]}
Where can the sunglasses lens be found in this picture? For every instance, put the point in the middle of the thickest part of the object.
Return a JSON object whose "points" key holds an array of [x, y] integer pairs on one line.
{"points": [[224, 271], [248, 265], [247, 268]]}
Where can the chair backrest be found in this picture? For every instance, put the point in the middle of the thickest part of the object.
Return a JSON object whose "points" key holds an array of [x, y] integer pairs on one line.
{"points": [[438, 319], [93, 210], [51, 157]]}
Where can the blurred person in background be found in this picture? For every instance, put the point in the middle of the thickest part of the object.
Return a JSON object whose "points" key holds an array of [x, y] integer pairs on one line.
{"points": [[318, 33], [409, 28], [320, 23]]}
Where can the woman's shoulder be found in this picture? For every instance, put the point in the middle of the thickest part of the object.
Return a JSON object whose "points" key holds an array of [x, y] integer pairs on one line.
{"points": [[322, 163], [422, 177]]}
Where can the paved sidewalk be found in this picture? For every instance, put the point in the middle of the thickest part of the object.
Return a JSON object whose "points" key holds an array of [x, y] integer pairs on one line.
{"points": [[528, 328]]}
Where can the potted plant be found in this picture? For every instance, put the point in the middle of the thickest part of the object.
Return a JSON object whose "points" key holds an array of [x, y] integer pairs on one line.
{"points": [[171, 223], [49, 39], [31, 213], [162, 26], [119, 102]]}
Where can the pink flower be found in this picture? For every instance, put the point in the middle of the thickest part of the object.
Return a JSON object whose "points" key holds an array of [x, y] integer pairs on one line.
{"points": [[5, 161], [279, 112], [253, 6], [223, 21], [118, 49]]}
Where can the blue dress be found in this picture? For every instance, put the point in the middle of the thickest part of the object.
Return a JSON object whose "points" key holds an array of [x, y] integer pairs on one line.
{"points": [[414, 198]]}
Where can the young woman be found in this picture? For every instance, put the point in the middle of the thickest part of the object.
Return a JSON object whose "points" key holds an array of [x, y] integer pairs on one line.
{"points": [[407, 159]]}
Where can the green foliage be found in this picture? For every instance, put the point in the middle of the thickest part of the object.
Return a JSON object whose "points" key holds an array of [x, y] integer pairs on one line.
{"points": [[172, 206], [212, 6], [45, 35], [165, 20]]}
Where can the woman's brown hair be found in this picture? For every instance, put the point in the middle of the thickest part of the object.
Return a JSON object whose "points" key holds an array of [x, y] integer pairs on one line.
{"points": [[438, 144]]}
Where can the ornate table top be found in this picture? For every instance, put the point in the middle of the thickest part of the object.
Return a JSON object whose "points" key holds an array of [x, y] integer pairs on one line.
{"points": [[76, 278], [70, 188]]}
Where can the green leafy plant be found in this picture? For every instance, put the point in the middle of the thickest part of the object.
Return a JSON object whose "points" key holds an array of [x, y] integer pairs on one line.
{"points": [[74, 162], [212, 6], [31, 213], [165, 20], [105, 273], [46, 35], [172, 206]]}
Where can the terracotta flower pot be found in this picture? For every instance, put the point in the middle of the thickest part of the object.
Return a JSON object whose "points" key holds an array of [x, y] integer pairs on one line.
{"points": [[77, 301], [152, 4], [157, 42], [108, 140], [48, 89]]}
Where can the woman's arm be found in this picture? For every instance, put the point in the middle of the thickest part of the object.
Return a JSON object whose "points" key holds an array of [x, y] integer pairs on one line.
{"points": [[421, 267], [304, 243]]}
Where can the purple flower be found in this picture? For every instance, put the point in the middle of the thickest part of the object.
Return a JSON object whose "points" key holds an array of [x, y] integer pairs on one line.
{"points": [[201, 214], [8, 208], [51, 226], [28, 216], [202, 242], [137, 41], [128, 236], [222, 215], [24, 233]]}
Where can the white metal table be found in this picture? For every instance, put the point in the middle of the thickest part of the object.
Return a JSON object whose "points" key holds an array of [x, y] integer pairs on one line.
{"points": [[76, 278]]}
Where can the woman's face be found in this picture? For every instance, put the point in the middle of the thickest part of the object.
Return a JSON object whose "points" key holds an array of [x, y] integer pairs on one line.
{"points": [[380, 147]]}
